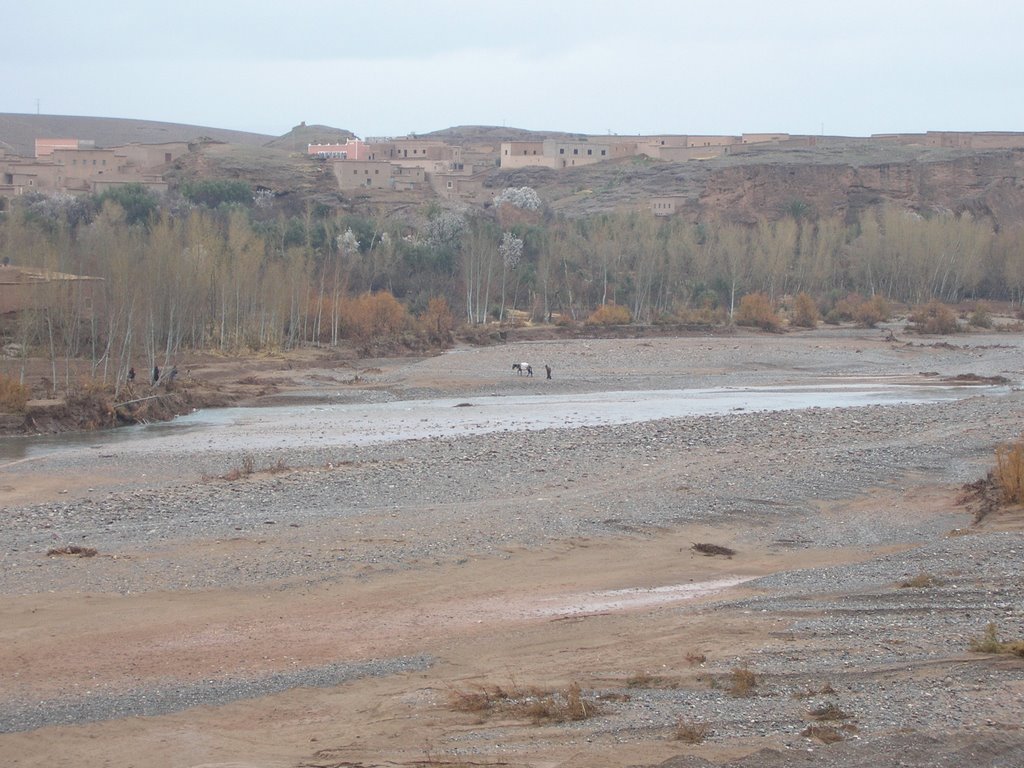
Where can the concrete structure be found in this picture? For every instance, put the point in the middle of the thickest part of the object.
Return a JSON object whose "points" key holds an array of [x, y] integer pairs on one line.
{"points": [[667, 205]]}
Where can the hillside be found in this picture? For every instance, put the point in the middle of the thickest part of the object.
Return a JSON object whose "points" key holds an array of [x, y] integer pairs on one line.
{"points": [[834, 176], [840, 177], [19, 132]]}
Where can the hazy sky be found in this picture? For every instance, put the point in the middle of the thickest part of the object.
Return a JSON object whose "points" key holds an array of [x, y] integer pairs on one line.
{"points": [[849, 67]]}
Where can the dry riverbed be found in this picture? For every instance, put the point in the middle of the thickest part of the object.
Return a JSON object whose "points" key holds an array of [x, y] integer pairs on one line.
{"points": [[438, 601]]}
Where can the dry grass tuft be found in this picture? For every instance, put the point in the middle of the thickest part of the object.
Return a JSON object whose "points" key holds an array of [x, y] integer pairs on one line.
{"points": [[694, 658], [278, 467], [536, 705], [920, 581], [248, 468], [742, 681], [691, 732], [73, 549], [810, 693], [641, 680], [990, 643], [1009, 471]]}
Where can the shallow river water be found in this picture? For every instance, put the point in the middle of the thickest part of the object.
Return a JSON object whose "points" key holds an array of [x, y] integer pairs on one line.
{"points": [[359, 424]]}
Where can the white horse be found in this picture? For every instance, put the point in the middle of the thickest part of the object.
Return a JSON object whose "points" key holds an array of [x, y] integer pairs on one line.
{"points": [[522, 368]]}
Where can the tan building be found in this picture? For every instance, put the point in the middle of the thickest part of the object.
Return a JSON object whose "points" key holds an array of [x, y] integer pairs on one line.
{"points": [[20, 175], [957, 139], [462, 185], [79, 167], [376, 174], [974, 139], [46, 147], [524, 154], [149, 157], [23, 288]]}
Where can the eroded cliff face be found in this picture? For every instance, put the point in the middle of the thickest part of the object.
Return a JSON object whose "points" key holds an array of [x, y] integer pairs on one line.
{"points": [[989, 184], [985, 183]]}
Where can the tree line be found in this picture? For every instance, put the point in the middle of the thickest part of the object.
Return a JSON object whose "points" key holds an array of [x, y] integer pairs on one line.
{"points": [[216, 267]]}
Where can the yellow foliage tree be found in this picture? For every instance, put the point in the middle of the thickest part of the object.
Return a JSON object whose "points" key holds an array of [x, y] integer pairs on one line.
{"points": [[609, 314]]}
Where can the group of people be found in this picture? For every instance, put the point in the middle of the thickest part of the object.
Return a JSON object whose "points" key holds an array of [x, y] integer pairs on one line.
{"points": [[171, 376], [527, 369]]}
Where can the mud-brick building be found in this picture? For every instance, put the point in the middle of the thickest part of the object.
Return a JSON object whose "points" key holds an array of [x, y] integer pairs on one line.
{"points": [[25, 289], [376, 174]]}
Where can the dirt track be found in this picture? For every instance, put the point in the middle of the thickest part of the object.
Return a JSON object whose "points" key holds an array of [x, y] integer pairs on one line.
{"points": [[331, 614]]}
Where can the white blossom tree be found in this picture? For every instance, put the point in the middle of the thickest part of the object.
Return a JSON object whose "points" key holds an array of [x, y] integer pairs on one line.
{"points": [[525, 198], [511, 252]]}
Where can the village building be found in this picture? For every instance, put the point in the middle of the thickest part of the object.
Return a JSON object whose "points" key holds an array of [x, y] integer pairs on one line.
{"points": [[466, 186], [79, 167], [376, 174], [29, 288]]}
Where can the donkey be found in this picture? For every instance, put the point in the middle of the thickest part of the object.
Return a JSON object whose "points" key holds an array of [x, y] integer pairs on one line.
{"points": [[522, 368]]}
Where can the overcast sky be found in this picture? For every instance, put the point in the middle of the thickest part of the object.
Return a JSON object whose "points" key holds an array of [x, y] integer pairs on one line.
{"points": [[845, 67]]}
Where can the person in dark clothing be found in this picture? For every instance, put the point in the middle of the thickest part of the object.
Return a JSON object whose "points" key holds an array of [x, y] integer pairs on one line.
{"points": [[156, 374], [131, 374], [547, 368]]}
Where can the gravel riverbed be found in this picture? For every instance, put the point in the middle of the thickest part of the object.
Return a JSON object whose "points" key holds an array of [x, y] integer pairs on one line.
{"points": [[892, 662]]}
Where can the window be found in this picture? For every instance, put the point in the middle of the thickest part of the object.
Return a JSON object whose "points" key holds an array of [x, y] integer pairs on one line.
{"points": [[604, 152], [590, 151], [575, 151], [561, 150]]}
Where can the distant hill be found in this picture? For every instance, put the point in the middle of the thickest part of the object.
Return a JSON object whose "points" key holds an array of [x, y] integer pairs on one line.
{"points": [[19, 132], [473, 134], [302, 135]]}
